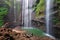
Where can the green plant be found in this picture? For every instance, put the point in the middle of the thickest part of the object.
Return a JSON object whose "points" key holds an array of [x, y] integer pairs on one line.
{"points": [[56, 18], [8, 2], [39, 7], [3, 12]]}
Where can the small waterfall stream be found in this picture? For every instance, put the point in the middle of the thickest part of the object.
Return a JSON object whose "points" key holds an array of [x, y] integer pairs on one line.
{"points": [[27, 12], [49, 6], [17, 11]]}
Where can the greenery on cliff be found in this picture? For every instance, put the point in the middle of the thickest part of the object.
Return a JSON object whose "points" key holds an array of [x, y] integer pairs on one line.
{"points": [[39, 8], [57, 14]]}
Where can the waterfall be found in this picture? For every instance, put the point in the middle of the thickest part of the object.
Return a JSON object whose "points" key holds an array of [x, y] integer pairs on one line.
{"points": [[16, 11], [27, 12], [49, 6], [30, 4]]}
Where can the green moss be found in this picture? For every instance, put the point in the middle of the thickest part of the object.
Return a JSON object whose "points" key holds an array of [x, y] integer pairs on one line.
{"points": [[35, 31]]}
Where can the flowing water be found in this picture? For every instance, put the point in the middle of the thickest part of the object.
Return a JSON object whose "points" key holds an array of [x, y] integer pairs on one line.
{"points": [[49, 5], [17, 11], [27, 12], [27, 16]]}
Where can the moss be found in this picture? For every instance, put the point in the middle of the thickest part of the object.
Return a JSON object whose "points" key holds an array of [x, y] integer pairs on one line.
{"points": [[35, 31]]}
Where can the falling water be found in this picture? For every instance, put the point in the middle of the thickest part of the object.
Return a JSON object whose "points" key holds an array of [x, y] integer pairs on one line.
{"points": [[30, 4], [49, 5], [27, 12], [16, 11]]}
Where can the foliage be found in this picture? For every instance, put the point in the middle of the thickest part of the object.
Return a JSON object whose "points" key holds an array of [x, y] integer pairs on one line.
{"points": [[57, 15], [1, 22], [3, 12], [56, 20], [39, 6], [57, 1], [8, 2]]}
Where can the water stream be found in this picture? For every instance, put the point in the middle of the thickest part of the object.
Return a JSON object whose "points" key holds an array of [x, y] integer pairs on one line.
{"points": [[17, 11], [27, 12], [49, 6]]}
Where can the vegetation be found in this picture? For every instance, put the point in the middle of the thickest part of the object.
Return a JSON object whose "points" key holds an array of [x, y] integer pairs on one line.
{"points": [[4, 4], [7, 2], [56, 19], [3, 12], [39, 7]]}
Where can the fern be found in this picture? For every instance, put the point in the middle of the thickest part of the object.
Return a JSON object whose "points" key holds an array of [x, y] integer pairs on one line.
{"points": [[3, 12], [39, 7]]}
